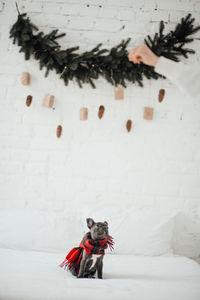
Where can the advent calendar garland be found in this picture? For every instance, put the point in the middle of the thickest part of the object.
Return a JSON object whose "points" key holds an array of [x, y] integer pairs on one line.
{"points": [[112, 64]]}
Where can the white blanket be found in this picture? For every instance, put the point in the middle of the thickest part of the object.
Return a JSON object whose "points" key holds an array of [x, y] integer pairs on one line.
{"points": [[27, 275]]}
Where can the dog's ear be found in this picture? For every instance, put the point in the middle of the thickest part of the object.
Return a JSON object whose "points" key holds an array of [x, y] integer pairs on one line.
{"points": [[105, 222], [90, 222]]}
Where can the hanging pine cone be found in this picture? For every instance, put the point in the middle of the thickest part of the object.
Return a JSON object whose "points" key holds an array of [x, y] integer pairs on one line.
{"points": [[101, 112], [161, 95], [59, 131], [29, 100], [129, 125]]}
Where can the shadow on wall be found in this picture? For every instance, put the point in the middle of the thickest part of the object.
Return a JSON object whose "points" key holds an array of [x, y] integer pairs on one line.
{"points": [[186, 238]]}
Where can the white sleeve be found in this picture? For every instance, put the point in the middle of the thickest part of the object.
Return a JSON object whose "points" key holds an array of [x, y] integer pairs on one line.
{"points": [[187, 78]]}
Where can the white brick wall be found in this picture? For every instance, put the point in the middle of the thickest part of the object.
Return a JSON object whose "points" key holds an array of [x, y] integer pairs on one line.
{"points": [[156, 165]]}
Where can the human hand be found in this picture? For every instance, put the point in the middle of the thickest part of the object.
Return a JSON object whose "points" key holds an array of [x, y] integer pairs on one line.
{"points": [[143, 54]]}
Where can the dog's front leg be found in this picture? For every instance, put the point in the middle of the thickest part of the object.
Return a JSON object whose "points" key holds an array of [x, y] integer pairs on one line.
{"points": [[100, 267], [83, 264]]}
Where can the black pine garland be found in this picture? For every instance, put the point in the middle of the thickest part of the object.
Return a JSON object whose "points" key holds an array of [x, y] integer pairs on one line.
{"points": [[112, 64]]}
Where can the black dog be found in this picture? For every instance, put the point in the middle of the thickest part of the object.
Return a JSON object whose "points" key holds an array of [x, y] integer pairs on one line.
{"points": [[87, 259], [88, 267]]}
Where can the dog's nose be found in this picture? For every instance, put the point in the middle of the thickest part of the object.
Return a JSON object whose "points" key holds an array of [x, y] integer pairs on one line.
{"points": [[100, 230]]}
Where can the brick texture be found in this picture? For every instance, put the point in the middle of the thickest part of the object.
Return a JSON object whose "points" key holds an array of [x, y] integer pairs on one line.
{"points": [[96, 159]]}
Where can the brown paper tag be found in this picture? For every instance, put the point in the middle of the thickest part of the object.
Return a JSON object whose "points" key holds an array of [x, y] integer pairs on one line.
{"points": [[25, 78], [148, 113], [119, 93], [48, 100], [83, 113]]}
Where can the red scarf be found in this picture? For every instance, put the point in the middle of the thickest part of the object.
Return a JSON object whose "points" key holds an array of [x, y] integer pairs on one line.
{"points": [[73, 258]]}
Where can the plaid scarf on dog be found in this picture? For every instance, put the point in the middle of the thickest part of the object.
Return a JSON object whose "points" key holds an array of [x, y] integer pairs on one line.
{"points": [[73, 258]]}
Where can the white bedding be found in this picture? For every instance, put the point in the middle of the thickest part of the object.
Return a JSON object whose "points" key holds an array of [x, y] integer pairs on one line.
{"points": [[27, 275]]}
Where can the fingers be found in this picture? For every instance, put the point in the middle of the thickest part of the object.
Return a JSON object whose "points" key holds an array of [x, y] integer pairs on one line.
{"points": [[136, 59], [143, 54], [135, 55]]}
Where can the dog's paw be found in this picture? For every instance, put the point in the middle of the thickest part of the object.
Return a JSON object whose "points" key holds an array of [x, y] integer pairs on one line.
{"points": [[91, 276]]}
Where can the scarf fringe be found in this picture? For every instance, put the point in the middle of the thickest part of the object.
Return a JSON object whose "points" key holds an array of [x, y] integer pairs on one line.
{"points": [[110, 242], [72, 258]]}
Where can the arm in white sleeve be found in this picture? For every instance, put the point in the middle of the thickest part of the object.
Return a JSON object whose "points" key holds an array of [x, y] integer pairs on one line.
{"points": [[187, 78]]}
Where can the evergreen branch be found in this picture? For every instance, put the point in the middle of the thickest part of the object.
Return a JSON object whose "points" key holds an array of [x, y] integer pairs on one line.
{"points": [[113, 65], [17, 8]]}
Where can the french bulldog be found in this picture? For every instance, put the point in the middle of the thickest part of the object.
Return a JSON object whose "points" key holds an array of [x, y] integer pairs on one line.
{"points": [[93, 263]]}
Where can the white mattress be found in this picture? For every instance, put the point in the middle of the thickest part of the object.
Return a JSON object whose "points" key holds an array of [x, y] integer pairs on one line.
{"points": [[27, 275]]}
